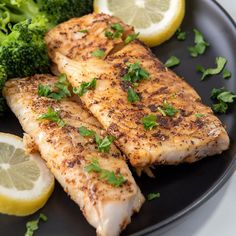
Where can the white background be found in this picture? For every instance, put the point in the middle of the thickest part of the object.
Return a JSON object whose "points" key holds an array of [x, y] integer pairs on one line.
{"points": [[217, 217]]}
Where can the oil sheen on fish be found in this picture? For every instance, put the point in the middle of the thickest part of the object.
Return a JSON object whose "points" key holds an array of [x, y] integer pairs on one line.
{"points": [[67, 154], [187, 135]]}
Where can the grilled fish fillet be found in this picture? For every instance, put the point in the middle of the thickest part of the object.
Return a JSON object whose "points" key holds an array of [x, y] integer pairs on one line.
{"points": [[67, 153], [182, 138]]}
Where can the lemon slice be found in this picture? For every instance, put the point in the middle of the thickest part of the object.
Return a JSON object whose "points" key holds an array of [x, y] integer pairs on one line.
{"points": [[25, 181], [155, 20]]}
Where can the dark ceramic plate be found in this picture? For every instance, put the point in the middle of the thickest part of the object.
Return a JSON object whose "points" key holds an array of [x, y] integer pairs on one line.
{"points": [[182, 188]]}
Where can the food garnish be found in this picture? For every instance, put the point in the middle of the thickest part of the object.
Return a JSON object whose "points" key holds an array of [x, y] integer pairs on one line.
{"points": [[199, 115], [99, 53], [132, 96], [60, 90], [167, 109], [84, 87], [172, 61], [109, 176], [54, 116], [115, 31], [149, 121], [200, 44], [180, 35], [224, 98], [131, 38], [86, 132], [33, 225], [25, 183], [226, 74], [220, 64], [152, 196]]}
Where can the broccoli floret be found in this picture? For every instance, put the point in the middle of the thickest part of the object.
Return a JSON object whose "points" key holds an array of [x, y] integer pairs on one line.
{"points": [[23, 52]]}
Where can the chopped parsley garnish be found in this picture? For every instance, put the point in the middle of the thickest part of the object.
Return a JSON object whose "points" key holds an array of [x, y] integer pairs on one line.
{"points": [[84, 87], [199, 115], [200, 44], [149, 122], [152, 196], [135, 73], [131, 38], [167, 109], [84, 31], [224, 99], [60, 90], [86, 132], [117, 31], [226, 74], [132, 96], [54, 116], [172, 61], [180, 35], [105, 143], [99, 53], [115, 180], [220, 64], [33, 225]]}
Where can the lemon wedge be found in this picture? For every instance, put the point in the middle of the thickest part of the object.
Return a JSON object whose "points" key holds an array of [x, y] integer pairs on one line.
{"points": [[155, 20], [25, 181]]}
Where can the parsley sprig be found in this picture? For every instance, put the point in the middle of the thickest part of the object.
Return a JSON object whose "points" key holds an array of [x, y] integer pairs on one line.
{"points": [[131, 38], [152, 196], [200, 44], [115, 180], [103, 144], [135, 73], [53, 116], [149, 121], [224, 98], [60, 90], [167, 109], [33, 225], [180, 35], [132, 96], [220, 64], [99, 53], [85, 86], [116, 31], [172, 61]]}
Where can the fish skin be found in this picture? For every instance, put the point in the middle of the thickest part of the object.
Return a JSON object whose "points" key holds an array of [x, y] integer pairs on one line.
{"points": [[67, 153], [178, 139]]}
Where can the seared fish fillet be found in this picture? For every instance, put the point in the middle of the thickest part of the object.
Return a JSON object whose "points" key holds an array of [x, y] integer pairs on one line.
{"points": [[67, 153], [181, 138]]}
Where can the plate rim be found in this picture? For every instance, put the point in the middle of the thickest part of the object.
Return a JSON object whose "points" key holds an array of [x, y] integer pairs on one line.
{"points": [[172, 220]]}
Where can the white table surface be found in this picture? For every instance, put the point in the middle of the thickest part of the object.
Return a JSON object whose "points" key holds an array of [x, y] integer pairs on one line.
{"points": [[216, 217]]}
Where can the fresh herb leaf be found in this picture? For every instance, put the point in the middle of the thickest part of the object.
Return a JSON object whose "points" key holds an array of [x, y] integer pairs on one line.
{"points": [[135, 73], [84, 87], [93, 166], [99, 53], [133, 96], [61, 89], [114, 179], [86, 132], [226, 74], [117, 31], [216, 91], [200, 44], [152, 196], [172, 61], [199, 115], [167, 109], [84, 31], [220, 107], [32, 226], [149, 122], [180, 35], [54, 116], [224, 98], [131, 38], [220, 64], [104, 144]]}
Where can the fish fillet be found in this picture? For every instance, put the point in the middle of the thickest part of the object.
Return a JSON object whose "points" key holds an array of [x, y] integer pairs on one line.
{"points": [[182, 138], [67, 153]]}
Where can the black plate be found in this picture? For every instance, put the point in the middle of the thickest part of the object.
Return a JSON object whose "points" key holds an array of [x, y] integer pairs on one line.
{"points": [[182, 188]]}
